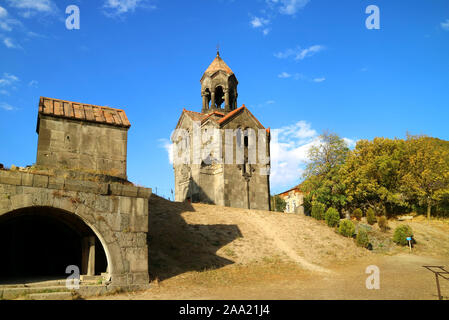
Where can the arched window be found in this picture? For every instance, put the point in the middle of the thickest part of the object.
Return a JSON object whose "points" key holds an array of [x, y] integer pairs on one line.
{"points": [[208, 97], [219, 96]]}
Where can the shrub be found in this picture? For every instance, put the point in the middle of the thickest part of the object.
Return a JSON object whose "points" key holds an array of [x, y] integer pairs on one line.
{"points": [[370, 216], [362, 239], [383, 223], [346, 228], [332, 217], [318, 210], [401, 233], [357, 214]]}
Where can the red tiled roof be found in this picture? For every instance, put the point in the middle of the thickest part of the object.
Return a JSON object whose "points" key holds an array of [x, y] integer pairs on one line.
{"points": [[83, 112], [217, 65], [234, 112], [297, 189]]}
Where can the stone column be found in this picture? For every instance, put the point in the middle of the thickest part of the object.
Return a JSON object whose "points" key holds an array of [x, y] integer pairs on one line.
{"points": [[204, 101], [227, 106], [91, 263], [212, 100], [84, 254]]}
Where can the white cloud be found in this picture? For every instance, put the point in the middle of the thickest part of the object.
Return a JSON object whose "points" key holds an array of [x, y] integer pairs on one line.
{"points": [[32, 7], [11, 44], [445, 25], [7, 107], [288, 7], [120, 7], [3, 13], [289, 149], [7, 23], [318, 80], [8, 80], [33, 83], [284, 75], [258, 22], [6, 93], [298, 53], [168, 146]]}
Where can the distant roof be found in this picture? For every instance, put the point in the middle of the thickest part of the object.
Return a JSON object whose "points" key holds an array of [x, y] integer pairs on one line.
{"points": [[83, 112], [297, 188], [217, 65]]}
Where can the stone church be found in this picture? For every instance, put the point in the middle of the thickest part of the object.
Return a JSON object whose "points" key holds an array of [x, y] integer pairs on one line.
{"points": [[224, 149]]}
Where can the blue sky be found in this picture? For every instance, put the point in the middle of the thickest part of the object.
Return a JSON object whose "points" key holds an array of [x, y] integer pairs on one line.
{"points": [[303, 67]]}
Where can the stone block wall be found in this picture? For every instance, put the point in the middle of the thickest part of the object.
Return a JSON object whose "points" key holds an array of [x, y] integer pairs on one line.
{"points": [[117, 213], [66, 143]]}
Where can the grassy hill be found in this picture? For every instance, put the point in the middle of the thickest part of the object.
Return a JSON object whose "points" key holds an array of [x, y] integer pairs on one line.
{"points": [[196, 237]]}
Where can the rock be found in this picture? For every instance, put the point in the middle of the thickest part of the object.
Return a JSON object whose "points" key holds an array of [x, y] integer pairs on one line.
{"points": [[403, 218]]}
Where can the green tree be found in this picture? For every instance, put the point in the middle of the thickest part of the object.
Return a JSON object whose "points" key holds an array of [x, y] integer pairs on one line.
{"points": [[372, 174], [318, 210], [278, 204], [322, 179], [332, 217], [425, 175]]}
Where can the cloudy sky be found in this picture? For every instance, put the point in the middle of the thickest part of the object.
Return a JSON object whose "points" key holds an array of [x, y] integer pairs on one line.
{"points": [[304, 66]]}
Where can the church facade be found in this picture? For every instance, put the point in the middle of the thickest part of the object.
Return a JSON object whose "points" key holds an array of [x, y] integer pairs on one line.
{"points": [[221, 154]]}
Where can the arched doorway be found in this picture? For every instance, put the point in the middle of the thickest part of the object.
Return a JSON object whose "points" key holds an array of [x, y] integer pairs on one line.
{"points": [[38, 243]]}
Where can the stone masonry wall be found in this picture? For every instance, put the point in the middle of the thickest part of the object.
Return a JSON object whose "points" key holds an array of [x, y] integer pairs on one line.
{"points": [[73, 144], [116, 212]]}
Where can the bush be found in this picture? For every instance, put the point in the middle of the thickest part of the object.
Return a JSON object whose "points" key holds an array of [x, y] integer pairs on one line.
{"points": [[357, 214], [362, 239], [370, 216], [332, 217], [401, 233], [346, 228], [383, 223], [318, 210]]}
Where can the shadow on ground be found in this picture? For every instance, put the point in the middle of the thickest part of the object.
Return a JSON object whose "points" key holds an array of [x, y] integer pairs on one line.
{"points": [[176, 247]]}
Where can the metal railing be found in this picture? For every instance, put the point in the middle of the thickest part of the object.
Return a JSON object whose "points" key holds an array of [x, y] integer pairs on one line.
{"points": [[439, 271]]}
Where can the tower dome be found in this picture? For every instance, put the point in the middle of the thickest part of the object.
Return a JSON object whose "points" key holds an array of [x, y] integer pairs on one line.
{"points": [[219, 87]]}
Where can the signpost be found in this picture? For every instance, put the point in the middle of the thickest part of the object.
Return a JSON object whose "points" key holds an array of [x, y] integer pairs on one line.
{"points": [[409, 239]]}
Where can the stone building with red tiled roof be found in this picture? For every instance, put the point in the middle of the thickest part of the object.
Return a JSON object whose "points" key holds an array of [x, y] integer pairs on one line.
{"points": [[221, 154], [294, 200], [82, 136]]}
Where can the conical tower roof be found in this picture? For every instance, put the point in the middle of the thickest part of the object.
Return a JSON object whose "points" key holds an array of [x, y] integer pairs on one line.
{"points": [[217, 65]]}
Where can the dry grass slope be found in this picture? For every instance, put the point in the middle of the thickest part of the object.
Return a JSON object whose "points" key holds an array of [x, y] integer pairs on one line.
{"points": [[199, 237]]}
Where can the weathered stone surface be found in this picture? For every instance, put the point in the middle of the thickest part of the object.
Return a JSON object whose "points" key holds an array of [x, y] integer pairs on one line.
{"points": [[121, 222]]}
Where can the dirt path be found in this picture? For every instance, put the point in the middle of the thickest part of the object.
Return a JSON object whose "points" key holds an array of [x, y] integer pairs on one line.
{"points": [[275, 235], [401, 277]]}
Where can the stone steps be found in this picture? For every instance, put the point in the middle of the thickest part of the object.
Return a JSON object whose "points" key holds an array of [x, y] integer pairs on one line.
{"points": [[56, 292], [51, 296]]}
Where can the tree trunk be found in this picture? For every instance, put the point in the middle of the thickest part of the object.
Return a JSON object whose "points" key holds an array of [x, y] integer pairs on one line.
{"points": [[429, 209]]}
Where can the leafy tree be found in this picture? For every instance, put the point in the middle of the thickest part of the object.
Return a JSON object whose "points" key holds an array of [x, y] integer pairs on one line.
{"points": [[346, 228], [322, 179], [401, 233], [371, 174], [332, 217], [318, 210], [370, 216], [425, 176], [383, 223], [362, 239], [278, 204], [357, 213]]}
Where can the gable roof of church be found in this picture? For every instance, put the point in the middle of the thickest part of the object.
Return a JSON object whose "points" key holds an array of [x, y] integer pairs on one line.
{"points": [[220, 118]]}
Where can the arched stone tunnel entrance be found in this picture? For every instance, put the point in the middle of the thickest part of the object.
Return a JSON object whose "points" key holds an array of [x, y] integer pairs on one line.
{"points": [[41, 242], [41, 215]]}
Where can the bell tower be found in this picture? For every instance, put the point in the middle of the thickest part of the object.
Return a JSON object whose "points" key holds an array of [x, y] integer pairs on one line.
{"points": [[219, 87]]}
